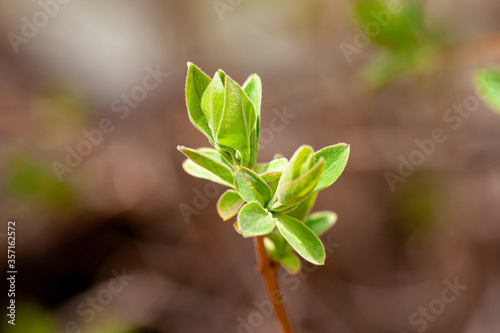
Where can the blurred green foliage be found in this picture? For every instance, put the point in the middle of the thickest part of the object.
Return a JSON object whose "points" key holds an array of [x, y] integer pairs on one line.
{"points": [[405, 41], [31, 318], [109, 323], [61, 112], [404, 29], [34, 180], [488, 86]]}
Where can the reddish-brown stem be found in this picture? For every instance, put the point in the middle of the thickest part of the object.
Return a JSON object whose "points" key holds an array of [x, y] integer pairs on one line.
{"points": [[268, 271]]}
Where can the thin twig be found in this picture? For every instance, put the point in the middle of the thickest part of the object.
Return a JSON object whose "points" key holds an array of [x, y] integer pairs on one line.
{"points": [[268, 271]]}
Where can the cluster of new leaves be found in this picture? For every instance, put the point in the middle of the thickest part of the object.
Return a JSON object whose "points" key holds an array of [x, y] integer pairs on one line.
{"points": [[275, 195], [488, 87]]}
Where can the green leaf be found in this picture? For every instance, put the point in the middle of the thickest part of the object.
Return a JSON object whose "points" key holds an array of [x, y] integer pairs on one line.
{"points": [[290, 262], [238, 121], [254, 220], [281, 251], [272, 170], [251, 187], [304, 207], [217, 156], [335, 161], [308, 164], [287, 209], [253, 89], [301, 238], [196, 83], [275, 244], [229, 204], [254, 142], [278, 156], [320, 222], [293, 170], [208, 162], [212, 102], [299, 189], [197, 171], [488, 87]]}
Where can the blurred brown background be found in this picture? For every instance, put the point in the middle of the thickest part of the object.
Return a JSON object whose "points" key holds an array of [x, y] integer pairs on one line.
{"points": [[103, 245]]}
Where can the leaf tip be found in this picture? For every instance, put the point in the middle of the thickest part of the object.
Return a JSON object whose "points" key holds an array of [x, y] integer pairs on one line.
{"points": [[221, 214], [347, 145], [305, 147], [320, 262]]}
